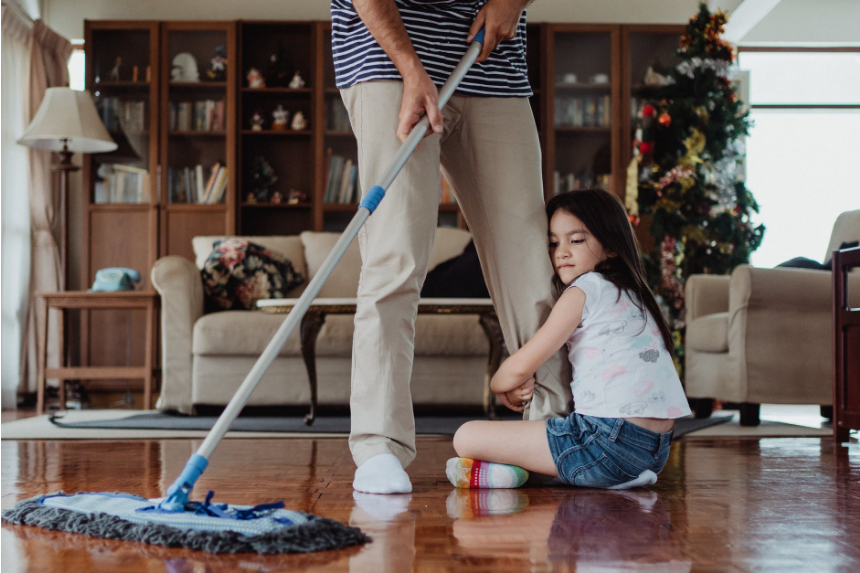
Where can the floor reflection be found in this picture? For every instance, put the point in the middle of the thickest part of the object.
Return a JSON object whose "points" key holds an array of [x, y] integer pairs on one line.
{"points": [[595, 529], [388, 521]]}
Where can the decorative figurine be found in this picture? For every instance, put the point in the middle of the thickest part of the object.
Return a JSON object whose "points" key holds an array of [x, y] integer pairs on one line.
{"points": [[148, 74], [280, 116], [135, 73], [295, 196], [277, 197], [257, 121], [184, 68], [217, 71], [263, 176], [652, 78], [251, 199], [299, 121], [113, 76], [297, 81], [255, 79], [278, 72]]}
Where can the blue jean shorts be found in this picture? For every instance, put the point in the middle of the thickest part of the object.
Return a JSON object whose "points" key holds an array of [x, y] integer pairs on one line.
{"points": [[603, 452]]}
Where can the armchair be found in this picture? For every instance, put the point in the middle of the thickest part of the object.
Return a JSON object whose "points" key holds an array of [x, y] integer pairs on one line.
{"points": [[764, 335]]}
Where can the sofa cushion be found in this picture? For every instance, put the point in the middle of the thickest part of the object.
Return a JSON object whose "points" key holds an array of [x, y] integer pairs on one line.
{"points": [[238, 273], [239, 333], [709, 333], [288, 245], [343, 282]]}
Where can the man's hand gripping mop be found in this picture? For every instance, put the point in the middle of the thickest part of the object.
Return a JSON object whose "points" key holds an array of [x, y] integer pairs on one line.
{"points": [[174, 521]]}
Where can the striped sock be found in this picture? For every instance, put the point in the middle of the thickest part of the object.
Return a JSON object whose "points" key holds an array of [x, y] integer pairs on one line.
{"points": [[466, 473]]}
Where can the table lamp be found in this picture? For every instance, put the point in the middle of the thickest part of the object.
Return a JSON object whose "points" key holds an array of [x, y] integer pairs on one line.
{"points": [[67, 122]]}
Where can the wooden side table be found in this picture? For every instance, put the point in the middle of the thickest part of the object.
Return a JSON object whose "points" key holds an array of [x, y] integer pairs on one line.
{"points": [[314, 319], [846, 348], [86, 300]]}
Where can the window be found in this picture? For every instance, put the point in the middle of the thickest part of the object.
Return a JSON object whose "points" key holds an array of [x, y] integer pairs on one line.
{"points": [[803, 150], [77, 66]]}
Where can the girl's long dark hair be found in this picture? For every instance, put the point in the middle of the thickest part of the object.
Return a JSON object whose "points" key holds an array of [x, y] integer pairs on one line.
{"points": [[604, 216]]}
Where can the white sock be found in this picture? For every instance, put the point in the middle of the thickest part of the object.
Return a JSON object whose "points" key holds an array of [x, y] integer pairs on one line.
{"points": [[645, 478], [382, 474], [382, 507]]}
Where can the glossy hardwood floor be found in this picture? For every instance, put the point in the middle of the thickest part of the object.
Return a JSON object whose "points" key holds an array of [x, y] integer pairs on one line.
{"points": [[721, 505]]}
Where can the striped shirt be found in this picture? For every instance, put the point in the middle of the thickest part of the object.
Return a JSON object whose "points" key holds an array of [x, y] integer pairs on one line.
{"points": [[438, 31]]}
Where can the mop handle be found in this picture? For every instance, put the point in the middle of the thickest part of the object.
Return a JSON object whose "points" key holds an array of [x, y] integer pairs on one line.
{"points": [[178, 492]]}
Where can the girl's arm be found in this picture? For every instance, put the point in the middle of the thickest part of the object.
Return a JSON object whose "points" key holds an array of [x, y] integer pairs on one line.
{"points": [[563, 320]]}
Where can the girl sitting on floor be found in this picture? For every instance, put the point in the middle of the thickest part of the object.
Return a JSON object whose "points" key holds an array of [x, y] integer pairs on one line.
{"points": [[625, 388]]}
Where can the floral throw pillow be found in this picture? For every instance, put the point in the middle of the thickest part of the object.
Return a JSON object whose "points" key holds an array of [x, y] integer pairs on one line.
{"points": [[238, 273]]}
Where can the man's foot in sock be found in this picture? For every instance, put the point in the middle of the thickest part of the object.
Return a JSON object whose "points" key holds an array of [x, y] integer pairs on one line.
{"points": [[382, 507], [382, 474], [463, 472]]}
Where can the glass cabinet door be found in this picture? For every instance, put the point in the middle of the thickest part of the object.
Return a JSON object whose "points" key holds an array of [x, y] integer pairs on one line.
{"points": [[584, 87], [120, 79], [195, 117]]}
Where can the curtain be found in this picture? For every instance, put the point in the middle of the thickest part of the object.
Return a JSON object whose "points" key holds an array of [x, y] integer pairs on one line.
{"points": [[15, 257], [48, 60]]}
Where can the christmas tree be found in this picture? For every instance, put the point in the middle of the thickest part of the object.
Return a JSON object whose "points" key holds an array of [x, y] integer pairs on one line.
{"points": [[684, 171]]}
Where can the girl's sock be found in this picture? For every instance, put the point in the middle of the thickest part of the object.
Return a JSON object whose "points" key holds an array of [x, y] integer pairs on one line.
{"points": [[466, 473]]}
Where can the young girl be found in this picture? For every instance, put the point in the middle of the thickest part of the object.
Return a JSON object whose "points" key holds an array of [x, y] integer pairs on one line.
{"points": [[625, 389]]}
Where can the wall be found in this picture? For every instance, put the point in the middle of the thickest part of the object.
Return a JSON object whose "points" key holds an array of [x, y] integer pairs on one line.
{"points": [[67, 16]]}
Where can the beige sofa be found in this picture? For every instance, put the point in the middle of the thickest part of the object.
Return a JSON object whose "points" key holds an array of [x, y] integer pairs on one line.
{"points": [[764, 335], [205, 357]]}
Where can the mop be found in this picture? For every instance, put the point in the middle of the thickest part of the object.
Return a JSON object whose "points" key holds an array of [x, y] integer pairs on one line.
{"points": [[175, 521]]}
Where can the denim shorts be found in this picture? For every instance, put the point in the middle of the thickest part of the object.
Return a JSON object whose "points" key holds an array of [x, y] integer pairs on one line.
{"points": [[603, 452]]}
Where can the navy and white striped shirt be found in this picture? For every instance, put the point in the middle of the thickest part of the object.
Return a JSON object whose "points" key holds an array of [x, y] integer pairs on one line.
{"points": [[438, 30]]}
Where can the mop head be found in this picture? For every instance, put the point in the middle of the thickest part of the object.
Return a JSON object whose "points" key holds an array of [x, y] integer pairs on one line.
{"points": [[209, 527]]}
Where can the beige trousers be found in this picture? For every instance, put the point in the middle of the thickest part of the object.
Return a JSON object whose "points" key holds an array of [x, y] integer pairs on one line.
{"points": [[491, 155]]}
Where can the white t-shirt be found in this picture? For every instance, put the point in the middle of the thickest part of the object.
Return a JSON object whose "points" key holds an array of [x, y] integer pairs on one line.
{"points": [[621, 368]]}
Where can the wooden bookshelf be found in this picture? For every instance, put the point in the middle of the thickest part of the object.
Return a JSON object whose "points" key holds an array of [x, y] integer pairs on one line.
{"points": [[137, 229]]}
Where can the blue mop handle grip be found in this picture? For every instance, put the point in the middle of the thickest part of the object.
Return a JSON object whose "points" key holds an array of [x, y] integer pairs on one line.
{"points": [[479, 37], [177, 493]]}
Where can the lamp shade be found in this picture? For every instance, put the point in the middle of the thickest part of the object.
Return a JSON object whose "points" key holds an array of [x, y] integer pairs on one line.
{"points": [[68, 114]]}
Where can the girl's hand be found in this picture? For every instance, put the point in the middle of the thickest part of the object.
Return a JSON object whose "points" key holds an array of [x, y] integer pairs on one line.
{"points": [[522, 394]]}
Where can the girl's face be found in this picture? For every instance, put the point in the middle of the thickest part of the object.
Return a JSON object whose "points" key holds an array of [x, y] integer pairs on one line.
{"points": [[572, 248]]}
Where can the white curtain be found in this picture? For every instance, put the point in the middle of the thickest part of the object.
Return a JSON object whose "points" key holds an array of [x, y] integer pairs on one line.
{"points": [[15, 257]]}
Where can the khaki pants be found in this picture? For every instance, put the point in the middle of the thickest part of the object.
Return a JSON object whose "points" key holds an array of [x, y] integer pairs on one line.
{"points": [[491, 155]]}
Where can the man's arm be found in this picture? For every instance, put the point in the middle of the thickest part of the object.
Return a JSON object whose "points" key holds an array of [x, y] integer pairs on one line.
{"points": [[420, 95]]}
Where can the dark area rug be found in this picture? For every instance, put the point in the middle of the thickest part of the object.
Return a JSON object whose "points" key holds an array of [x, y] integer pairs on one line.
{"points": [[445, 425]]}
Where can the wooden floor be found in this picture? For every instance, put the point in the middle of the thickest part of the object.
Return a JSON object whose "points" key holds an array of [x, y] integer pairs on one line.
{"points": [[786, 504]]}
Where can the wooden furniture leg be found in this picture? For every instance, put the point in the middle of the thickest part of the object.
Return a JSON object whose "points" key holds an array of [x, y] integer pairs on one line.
{"points": [[491, 327], [61, 320], [42, 363], [147, 360], [312, 323]]}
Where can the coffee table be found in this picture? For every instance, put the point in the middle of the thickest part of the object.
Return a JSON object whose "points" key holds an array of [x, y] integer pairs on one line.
{"points": [[315, 317]]}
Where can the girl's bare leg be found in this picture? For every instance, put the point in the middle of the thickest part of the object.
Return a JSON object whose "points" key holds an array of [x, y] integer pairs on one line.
{"points": [[522, 444]]}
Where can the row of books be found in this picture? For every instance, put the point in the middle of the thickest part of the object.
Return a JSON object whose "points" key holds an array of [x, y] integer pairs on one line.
{"points": [[118, 114], [589, 111], [189, 185], [205, 115], [575, 182], [118, 183], [338, 118], [341, 182]]}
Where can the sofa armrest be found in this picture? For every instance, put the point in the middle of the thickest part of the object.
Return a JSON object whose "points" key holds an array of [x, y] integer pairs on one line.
{"points": [[178, 282], [706, 294]]}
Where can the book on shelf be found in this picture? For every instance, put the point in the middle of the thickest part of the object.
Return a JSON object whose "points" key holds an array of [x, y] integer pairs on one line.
{"points": [[338, 118], [120, 183], [588, 111], [188, 185], [119, 115], [342, 185], [204, 115]]}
